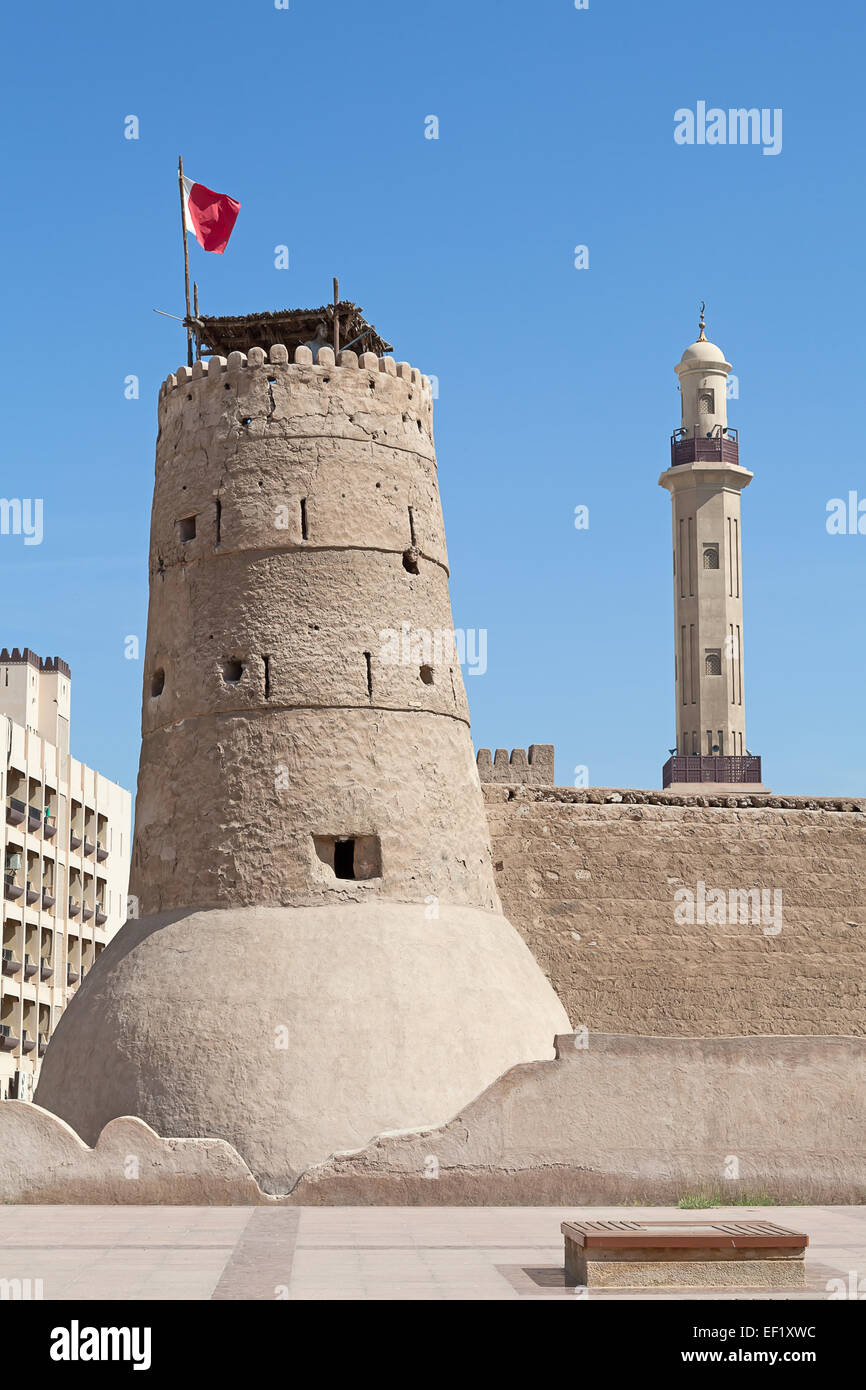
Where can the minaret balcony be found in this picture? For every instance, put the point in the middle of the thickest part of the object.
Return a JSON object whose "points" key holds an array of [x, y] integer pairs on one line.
{"points": [[715, 768], [715, 448]]}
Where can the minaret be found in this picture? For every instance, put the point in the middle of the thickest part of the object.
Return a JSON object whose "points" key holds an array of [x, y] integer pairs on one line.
{"points": [[321, 953], [705, 480]]}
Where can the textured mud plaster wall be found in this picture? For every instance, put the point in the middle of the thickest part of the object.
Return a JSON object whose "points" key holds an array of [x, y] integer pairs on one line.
{"points": [[42, 1160], [612, 1119], [590, 884], [627, 1119]]}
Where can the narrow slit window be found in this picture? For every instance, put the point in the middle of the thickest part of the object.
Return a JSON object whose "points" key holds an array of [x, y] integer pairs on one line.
{"points": [[368, 661], [219, 521], [267, 661], [412, 526], [305, 535]]}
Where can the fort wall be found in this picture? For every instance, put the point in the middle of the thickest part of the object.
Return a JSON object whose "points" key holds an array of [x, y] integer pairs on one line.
{"points": [[589, 877]]}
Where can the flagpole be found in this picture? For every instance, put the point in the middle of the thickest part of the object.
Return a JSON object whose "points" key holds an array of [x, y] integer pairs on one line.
{"points": [[185, 255], [197, 324]]}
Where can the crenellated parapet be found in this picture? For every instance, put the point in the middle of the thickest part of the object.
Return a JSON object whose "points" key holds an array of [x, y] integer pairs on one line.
{"points": [[535, 770], [278, 356], [50, 665]]}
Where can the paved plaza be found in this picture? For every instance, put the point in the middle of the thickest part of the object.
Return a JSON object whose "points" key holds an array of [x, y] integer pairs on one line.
{"points": [[226, 1253]]}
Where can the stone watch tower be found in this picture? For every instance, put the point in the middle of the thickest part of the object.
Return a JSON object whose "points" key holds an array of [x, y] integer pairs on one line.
{"points": [[705, 480], [321, 953]]}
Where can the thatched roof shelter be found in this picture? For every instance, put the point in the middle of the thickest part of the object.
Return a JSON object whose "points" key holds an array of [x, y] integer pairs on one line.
{"points": [[292, 327]]}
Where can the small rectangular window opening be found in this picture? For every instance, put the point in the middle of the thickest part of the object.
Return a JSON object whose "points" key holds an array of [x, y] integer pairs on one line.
{"points": [[186, 529], [350, 857]]}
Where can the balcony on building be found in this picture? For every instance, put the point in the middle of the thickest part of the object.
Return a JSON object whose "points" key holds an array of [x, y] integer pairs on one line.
{"points": [[101, 915], [33, 893], [43, 1044], [8, 1041], [101, 852], [74, 907], [48, 899], [76, 824], [11, 888], [49, 812], [28, 1042], [719, 446], [34, 804], [8, 962], [720, 768], [86, 914], [72, 975], [30, 967], [90, 835], [16, 810], [46, 969]]}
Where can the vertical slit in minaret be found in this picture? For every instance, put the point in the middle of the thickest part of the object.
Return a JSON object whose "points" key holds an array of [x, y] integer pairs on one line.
{"points": [[369, 661], [412, 525], [304, 529], [219, 520], [267, 661]]}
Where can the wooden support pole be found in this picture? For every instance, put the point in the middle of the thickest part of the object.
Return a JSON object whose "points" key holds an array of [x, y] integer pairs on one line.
{"points": [[197, 326], [185, 256], [336, 317]]}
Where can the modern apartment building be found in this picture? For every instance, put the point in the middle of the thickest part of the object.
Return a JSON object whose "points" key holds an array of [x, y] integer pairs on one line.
{"points": [[65, 844]]}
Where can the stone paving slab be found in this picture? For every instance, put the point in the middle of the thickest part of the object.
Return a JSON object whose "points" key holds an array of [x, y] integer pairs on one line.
{"points": [[366, 1253]]}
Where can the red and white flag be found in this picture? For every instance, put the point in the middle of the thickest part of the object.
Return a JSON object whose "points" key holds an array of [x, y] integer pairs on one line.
{"points": [[209, 216]]}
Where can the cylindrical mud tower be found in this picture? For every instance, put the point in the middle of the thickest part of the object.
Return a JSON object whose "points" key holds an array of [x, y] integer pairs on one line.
{"points": [[321, 954]]}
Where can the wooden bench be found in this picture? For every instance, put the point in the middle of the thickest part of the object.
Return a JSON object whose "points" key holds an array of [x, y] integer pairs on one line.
{"points": [[657, 1254]]}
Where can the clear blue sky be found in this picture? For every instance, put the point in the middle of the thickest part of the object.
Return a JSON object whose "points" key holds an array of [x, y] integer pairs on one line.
{"points": [[556, 385]]}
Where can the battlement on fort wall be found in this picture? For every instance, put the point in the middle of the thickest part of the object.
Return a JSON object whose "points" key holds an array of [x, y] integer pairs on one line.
{"points": [[534, 770], [278, 356]]}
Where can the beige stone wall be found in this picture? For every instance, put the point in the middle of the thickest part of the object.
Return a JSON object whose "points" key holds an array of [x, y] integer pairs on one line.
{"points": [[612, 1119], [590, 883], [635, 1121]]}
